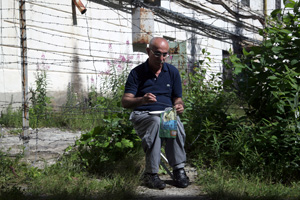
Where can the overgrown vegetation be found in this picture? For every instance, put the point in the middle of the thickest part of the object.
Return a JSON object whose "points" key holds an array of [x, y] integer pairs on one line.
{"points": [[107, 143], [270, 88], [64, 180], [40, 108], [106, 162], [222, 184], [244, 139]]}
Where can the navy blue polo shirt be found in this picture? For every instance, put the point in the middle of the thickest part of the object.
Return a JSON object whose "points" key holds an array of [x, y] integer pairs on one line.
{"points": [[165, 87]]}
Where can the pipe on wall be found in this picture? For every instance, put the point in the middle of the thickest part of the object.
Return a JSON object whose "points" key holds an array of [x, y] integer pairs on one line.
{"points": [[80, 6]]}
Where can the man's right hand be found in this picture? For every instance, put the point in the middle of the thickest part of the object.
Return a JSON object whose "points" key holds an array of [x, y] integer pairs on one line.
{"points": [[130, 101], [149, 98]]}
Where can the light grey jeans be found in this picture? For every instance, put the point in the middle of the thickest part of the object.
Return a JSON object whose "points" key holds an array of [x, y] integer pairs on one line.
{"points": [[147, 128]]}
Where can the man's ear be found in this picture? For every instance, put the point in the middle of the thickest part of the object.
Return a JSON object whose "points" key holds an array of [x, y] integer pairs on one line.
{"points": [[148, 50]]}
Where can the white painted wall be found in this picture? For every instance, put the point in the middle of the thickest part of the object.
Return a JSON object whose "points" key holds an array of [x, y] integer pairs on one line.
{"points": [[101, 39]]}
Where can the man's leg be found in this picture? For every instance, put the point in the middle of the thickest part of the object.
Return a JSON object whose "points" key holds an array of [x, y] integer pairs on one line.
{"points": [[175, 148], [177, 157], [147, 127]]}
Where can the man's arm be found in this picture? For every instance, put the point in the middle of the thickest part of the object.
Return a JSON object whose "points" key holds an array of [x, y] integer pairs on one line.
{"points": [[179, 105], [130, 101]]}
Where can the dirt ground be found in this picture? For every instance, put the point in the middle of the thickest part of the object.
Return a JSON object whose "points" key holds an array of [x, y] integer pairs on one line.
{"points": [[48, 144], [192, 192]]}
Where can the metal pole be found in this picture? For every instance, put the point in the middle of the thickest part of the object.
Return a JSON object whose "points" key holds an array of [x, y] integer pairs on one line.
{"points": [[164, 166], [24, 135]]}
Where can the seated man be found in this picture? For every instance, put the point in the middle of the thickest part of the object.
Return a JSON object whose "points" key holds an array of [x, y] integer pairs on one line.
{"points": [[154, 86]]}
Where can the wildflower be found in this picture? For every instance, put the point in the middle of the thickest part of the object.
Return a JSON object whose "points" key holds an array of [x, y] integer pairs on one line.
{"points": [[120, 67], [122, 58]]}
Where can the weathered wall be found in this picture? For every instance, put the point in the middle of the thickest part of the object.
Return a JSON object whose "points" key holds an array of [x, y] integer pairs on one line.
{"points": [[82, 50]]}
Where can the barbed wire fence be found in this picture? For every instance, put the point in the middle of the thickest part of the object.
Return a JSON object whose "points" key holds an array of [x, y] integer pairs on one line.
{"points": [[59, 45]]}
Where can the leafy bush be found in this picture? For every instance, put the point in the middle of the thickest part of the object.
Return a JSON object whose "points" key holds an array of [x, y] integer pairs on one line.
{"points": [[113, 139], [270, 88], [206, 112]]}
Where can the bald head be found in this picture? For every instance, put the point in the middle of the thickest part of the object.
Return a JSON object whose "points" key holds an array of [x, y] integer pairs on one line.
{"points": [[157, 51], [156, 42]]}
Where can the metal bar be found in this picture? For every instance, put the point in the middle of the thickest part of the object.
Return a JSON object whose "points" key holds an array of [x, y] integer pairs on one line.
{"points": [[164, 166], [23, 44]]}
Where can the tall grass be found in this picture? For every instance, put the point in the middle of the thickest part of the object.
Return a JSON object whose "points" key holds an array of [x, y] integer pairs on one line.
{"points": [[66, 180], [221, 184]]}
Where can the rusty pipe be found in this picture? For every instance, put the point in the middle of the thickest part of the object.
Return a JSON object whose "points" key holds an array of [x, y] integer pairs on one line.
{"points": [[80, 6]]}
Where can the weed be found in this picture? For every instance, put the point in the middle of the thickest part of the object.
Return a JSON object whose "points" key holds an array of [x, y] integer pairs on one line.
{"points": [[40, 101], [221, 184]]}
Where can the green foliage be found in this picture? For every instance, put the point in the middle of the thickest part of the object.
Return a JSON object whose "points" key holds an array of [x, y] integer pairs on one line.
{"points": [[205, 115], [11, 117], [67, 180], [268, 82], [39, 100], [108, 142], [221, 184], [9, 174]]}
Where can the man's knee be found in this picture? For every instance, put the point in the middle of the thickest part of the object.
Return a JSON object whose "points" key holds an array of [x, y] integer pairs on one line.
{"points": [[155, 120]]}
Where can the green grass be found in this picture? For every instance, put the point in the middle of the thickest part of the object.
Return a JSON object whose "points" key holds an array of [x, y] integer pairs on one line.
{"points": [[220, 184], [66, 180]]}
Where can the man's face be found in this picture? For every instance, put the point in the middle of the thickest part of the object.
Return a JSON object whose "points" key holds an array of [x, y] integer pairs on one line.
{"points": [[158, 54]]}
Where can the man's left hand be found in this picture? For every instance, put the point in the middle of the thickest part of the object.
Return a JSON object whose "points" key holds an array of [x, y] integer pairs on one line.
{"points": [[179, 108]]}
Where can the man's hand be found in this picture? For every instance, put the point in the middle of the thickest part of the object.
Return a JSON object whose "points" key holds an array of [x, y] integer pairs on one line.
{"points": [[130, 101], [149, 98], [178, 104], [179, 108]]}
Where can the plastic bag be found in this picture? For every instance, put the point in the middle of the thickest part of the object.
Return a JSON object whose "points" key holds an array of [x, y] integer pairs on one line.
{"points": [[168, 123]]}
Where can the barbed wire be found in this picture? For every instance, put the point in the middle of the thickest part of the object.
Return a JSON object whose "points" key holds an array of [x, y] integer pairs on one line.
{"points": [[65, 52]]}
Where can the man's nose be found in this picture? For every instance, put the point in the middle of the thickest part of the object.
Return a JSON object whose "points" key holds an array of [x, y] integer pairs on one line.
{"points": [[162, 57]]}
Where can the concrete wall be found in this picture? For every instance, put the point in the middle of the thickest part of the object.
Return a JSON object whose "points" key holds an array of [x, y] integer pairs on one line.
{"points": [[83, 50]]}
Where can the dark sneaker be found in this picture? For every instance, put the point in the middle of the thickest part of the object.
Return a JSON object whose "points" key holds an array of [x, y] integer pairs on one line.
{"points": [[153, 181], [180, 178]]}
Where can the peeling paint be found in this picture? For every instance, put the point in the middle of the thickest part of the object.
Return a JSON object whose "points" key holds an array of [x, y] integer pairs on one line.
{"points": [[142, 25]]}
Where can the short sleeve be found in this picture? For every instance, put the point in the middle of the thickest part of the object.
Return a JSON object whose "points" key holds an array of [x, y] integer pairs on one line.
{"points": [[177, 87], [131, 85]]}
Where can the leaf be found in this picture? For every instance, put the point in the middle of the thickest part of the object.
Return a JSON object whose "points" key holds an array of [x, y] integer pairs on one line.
{"points": [[274, 13], [238, 67], [127, 143], [118, 144], [277, 49], [294, 61], [286, 31], [272, 77], [290, 4], [245, 52], [268, 43]]}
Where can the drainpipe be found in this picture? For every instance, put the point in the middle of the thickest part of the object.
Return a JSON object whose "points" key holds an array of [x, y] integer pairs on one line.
{"points": [[80, 6], [265, 8]]}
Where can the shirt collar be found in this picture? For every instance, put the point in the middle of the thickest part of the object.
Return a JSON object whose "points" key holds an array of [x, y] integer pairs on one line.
{"points": [[164, 68]]}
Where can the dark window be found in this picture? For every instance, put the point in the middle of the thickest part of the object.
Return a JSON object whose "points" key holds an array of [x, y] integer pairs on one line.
{"points": [[227, 72], [277, 4], [246, 3], [152, 2]]}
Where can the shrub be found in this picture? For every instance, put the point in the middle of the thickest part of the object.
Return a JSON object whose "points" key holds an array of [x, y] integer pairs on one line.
{"points": [[113, 139], [270, 88]]}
